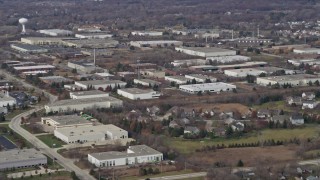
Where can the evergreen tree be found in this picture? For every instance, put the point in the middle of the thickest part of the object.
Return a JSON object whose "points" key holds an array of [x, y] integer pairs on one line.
{"points": [[240, 163]]}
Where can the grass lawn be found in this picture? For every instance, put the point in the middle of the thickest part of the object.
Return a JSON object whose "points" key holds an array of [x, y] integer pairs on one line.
{"points": [[171, 173], [275, 105], [189, 146], [51, 164], [60, 175], [50, 139], [16, 112]]}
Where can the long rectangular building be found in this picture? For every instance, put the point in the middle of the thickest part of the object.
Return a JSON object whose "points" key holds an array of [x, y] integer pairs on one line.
{"points": [[65, 121], [21, 158], [88, 94], [294, 80], [134, 155], [207, 87], [83, 134], [81, 104], [163, 43], [138, 94], [100, 84], [206, 51]]}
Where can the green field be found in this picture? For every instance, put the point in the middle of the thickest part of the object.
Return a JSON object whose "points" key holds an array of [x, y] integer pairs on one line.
{"points": [[51, 141], [171, 173], [189, 146]]}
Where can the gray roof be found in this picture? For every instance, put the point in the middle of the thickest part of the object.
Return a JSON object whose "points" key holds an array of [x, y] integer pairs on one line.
{"points": [[207, 49], [138, 150], [82, 101], [20, 155], [69, 119], [28, 47], [136, 90], [87, 93], [100, 82], [56, 79]]}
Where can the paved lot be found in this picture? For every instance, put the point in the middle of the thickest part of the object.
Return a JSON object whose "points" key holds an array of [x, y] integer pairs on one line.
{"points": [[6, 143]]}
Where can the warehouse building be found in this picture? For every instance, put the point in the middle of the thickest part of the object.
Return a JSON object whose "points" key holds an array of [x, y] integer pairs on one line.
{"points": [[177, 79], [228, 59], [242, 65], [98, 35], [100, 84], [27, 48], [21, 158], [88, 94], [56, 32], [146, 82], [206, 51], [200, 78], [82, 134], [98, 52], [65, 121], [146, 33], [82, 65], [298, 62], [163, 43], [152, 73], [34, 68], [138, 94], [207, 87], [307, 51], [92, 43], [189, 62], [55, 79], [42, 40], [134, 155], [69, 105], [294, 80], [243, 72]]}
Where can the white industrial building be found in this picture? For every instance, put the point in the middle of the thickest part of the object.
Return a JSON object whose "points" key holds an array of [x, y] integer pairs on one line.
{"points": [[65, 121], [6, 100], [69, 105], [146, 82], [229, 59], [92, 43], [56, 32], [307, 51], [297, 62], [189, 62], [200, 78], [243, 72], [134, 155], [207, 87], [138, 94], [177, 79], [162, 43], [42, 40], [92, 133], [28, 48], [206, 51], [99, 35], [21, 158], [294, 80], [34, 68], [147, 33], [100, 84], [88, 94]]}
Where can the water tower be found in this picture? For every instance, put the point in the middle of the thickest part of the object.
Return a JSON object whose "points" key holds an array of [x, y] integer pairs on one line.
{"points": [[23, 22]]}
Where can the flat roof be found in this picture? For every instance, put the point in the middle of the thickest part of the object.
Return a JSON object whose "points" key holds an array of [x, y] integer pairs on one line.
{"points": [[20, 155], [136, 90], [28, 47], [206, 49], [156, 42], [200, 76], [138, 150], [181, 78], [290, 77], [147, 81], [91, 41], [55, 30], [34, 67], [67, 102], [68, 119], [251, 63], [56, 78], [204, 86], [85, 130], [87, 93], [100, 82]]}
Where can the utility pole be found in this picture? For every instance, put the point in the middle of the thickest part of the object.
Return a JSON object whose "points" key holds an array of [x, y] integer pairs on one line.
{"points": [[258, 31], [138, 68]]}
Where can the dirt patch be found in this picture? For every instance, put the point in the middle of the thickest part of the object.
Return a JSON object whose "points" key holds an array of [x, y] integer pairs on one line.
{"points": [[249, 156]]}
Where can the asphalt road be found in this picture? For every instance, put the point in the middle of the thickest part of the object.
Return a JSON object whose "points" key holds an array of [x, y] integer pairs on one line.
{"points": [[181, 176], [52, 98], [66, 163]]}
